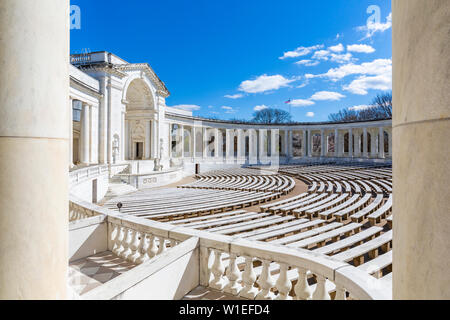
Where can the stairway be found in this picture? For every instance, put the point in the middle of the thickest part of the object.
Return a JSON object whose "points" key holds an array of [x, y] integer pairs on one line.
{"points": [[117, 188]]}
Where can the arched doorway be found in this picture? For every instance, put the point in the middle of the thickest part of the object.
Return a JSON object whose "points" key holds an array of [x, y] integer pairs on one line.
{"points": [[140, 111]]}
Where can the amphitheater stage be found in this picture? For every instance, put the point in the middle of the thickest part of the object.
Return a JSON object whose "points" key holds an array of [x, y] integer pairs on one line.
{"points": [[153, 179]]}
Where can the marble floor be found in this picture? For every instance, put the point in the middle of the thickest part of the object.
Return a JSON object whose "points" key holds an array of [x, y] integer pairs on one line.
{"points": [[202, 293], [91, 272]]}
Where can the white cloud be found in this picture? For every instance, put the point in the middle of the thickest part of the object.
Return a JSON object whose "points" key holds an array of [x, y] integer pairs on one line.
{"points": [[327, 96], [373, 27], [308, 63], [363, 84], [309, 76], [264, 83], [337, 48], [229, 110], [188, 107], [362, 48], [361, 107], [341, 58], [234, 96], [376, 67], [302, 103], [301, 51], [338, 36], [321, 55], [259, 108], [310, 114]]}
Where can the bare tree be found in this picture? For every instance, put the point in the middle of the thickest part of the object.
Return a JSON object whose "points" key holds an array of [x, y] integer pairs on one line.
{"points": [[380, 108], [383, 103], [272, 115]]}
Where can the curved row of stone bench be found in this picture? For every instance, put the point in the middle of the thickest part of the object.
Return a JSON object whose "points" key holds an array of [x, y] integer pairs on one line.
{"points": [[263, 183], [243, 268], [173, 203], [306, 233]]}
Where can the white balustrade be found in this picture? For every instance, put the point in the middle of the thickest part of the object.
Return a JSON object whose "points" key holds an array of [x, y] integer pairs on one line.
{"points": [[136, 246], [245, 269]]}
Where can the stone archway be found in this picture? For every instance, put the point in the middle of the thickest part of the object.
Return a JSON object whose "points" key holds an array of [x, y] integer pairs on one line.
{"points": [[139, 115]]}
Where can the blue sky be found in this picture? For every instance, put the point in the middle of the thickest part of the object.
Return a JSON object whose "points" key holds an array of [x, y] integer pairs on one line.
{"points": [[224, 58]]}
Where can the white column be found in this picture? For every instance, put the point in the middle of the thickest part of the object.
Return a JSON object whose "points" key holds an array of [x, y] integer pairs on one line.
{"points": [[205, 143], [71, 165], [84, 134], [357, 151], [193, 142], [304, 143], [309, 143], [229, 145], [290, 144], [216, 143], [373, 144], [390, 142], [122, 137], [336, 143], [322, 143], [286, 144], [365, 143], [350, 143], [262, 145], [275, 150], [240, 144], [421, 124], [34, 182], [253, 146], [147, 154], [182, 141], [381, 143]]}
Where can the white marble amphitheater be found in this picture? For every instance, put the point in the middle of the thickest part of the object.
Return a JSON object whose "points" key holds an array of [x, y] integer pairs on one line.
{"points": [[106, 193]]}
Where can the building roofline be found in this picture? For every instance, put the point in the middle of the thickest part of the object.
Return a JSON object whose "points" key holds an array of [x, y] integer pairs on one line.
{"points": [[275, 124]]}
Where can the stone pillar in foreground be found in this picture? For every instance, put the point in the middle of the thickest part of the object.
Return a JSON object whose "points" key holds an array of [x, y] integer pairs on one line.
{"points": [[84, 134], [421, 64], [34, 148]]}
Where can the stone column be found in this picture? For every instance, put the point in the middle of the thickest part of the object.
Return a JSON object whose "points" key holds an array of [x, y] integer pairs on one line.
{"points": [[421, 123], [216, 143], [350, 143], [147, 140], [240, 144], [421, 174], [262, 145], [357, 143], [336, 143], [71, 165], [84, 134], [381, 143], [205, 143], [181, 128], [253, 147], [365, 143], [373, 144], [275, 150], [34, 148], [310, 143], [290, 144], [390, 142], [228, 145], [122, 137], [192, 142], [304, 144], [322, 143], [155, 142]]}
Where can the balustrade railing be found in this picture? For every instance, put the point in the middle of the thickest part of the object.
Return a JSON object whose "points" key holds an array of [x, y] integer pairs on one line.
{"points": [[83, 174], [242, 268]]}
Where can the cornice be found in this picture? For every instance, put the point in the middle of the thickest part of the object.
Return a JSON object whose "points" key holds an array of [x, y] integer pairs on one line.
{"points": [[145, 67]]}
